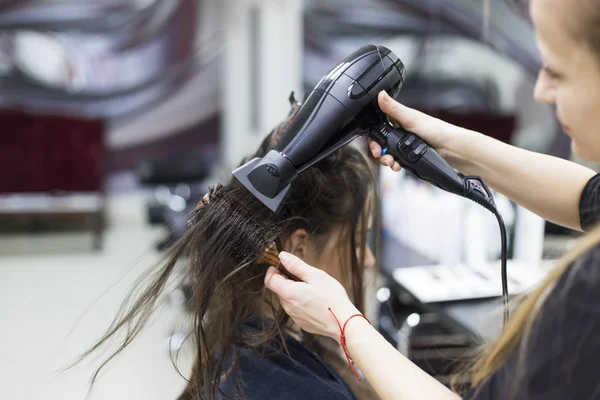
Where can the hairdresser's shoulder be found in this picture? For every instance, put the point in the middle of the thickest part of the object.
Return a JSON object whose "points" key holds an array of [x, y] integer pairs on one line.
{"points": [[586, 268], [580, 283], [562, 354]]}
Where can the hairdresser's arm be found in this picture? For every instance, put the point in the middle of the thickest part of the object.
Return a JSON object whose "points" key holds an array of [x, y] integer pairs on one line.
{"points": [[391, 374], [548, 186]]}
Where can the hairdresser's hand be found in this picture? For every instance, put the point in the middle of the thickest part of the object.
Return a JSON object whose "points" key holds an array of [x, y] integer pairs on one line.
{"points": [[308, 302], [434, 131]]}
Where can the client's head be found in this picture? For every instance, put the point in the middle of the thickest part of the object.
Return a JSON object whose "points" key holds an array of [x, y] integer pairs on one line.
{"points": [[325, 221]]}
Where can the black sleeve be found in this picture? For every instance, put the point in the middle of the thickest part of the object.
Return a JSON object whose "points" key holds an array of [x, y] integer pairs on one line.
{"points": [[589, 204], [561, 359]]}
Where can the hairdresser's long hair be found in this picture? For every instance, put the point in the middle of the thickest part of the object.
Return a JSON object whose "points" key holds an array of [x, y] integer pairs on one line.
{"points": [[221, 246], [514, 337]]}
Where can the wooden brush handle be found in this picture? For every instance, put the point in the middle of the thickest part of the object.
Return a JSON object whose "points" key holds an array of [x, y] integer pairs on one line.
{"points": [[271, 256]]}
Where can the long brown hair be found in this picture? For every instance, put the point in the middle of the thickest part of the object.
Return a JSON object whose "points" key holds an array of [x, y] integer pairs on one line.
{"points": [[221, 246], [517, 331]]}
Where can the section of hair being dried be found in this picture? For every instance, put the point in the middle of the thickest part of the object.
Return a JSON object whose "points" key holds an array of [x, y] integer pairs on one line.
{"points": [[237, 222], [228, 235]]}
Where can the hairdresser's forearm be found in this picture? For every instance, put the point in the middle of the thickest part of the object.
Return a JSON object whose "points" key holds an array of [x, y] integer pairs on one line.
{"points": [[391, 374], [549, 186]]}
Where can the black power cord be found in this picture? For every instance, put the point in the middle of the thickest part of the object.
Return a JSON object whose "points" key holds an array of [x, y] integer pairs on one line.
{"points": [[478, 192], [503, 269]]}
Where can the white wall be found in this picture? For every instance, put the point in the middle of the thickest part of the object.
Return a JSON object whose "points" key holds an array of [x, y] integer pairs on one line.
{"points": [[265, 35]]}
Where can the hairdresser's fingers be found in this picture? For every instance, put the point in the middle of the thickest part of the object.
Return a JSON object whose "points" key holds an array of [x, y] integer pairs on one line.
{"points": [[375, 148], [298, 268], [270, 272], [278, 283], [407, 117], [387, 161], [433, 130]]}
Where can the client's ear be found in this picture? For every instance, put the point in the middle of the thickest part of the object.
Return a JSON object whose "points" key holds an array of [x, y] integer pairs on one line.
{"points": [[298, 243]]}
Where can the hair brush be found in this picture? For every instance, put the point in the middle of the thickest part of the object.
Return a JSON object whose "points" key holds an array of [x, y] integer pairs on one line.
{"points": [[270, 256]]}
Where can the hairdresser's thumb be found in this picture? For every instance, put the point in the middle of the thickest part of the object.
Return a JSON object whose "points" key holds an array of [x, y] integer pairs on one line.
{"points": [[406, 117], [297, 267]]}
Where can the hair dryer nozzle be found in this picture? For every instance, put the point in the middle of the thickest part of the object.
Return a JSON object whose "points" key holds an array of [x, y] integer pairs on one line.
{"points": [[268, 178]]}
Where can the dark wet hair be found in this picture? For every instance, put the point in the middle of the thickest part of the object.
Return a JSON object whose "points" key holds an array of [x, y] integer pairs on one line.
{"points": [[224, 239]]}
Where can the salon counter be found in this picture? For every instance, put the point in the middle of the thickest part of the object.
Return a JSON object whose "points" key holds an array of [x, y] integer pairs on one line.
{"points": [[479, 318]]}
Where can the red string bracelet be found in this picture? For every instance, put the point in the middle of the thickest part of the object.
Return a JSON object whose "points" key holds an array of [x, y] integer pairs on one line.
{"points": [[343, 338]]}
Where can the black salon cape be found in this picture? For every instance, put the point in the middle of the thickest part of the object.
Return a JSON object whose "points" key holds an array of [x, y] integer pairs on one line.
{"points": [[562, 359], [300, 376]]}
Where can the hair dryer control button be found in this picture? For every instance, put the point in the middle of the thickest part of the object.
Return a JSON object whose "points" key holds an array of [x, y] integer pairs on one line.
{"points": [[407, 142], [418, 152], [421, 149]]}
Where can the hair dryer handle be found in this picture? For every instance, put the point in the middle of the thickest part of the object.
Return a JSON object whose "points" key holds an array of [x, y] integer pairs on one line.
{"points": [[416, 156]]}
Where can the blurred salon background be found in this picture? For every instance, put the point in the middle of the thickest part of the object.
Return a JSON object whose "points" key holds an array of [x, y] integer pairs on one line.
{"points": [[117, 115]]}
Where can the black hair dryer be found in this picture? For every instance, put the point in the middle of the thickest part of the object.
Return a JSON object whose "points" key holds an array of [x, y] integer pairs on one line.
{"points": [[342, 107]]}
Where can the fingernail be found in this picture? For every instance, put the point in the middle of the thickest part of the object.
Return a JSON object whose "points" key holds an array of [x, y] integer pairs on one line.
{"points": [[390, 163], [283, 256], [386, 97]]}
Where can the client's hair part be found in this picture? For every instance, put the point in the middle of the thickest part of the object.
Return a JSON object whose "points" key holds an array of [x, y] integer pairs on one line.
{"points": [[226, 235]]}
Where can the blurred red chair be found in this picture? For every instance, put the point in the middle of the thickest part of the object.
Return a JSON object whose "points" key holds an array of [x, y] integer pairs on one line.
{"points": [[52, 166]]}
